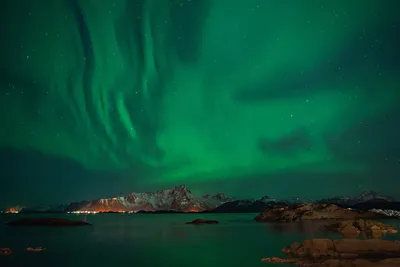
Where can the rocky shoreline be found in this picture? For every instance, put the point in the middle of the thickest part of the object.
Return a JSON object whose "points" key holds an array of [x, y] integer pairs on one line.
{"points": [[371, 251], [368, 228], [341, 253]]}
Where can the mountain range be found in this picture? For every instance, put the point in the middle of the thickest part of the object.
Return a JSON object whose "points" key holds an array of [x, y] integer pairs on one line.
{"points": [[181, 199], [365, 201], [365, 196]]}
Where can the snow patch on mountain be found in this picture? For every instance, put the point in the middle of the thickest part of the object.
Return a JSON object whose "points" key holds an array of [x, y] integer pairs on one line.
{"points": [[364, 197], [390, 213]]}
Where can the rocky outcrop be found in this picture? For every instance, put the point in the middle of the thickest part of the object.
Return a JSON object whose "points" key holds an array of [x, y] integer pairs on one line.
{"points": [[5, 251], [47, 222], [312, 212], [200, 221], [341, 253], [37, 249], [352, 228]]}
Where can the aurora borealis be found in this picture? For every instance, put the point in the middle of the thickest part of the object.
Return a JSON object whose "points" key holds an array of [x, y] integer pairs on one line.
{"points": [[203, 92]]}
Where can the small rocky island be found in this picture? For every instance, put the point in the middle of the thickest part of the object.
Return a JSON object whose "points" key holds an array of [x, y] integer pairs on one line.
{"points": [[5, 251], [200, 221], [304, 212], [47, 222]]}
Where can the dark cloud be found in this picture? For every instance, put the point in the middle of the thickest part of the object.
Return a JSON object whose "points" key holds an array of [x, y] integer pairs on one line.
{"points": [[296, 142], [372, 140]]}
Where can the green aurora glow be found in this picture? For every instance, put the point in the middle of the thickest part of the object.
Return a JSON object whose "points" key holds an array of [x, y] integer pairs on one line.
{"points": [[204, 88]]}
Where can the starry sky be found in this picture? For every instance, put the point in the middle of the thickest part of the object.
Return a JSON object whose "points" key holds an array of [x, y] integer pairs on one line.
{"points": [[250, 98]]}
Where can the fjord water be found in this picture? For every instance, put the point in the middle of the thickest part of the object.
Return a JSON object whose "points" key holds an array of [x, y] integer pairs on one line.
{"points": [[151, 240]]}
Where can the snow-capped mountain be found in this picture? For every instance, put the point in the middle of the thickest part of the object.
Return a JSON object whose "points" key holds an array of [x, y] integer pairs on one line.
{"points": [[179, 198], [365, 201], [250, 205], [389, 213], [364, 197], [373, 196]]}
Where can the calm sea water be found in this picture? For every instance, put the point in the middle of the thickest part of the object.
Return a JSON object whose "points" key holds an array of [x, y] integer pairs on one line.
{"points": [[143, 240]]}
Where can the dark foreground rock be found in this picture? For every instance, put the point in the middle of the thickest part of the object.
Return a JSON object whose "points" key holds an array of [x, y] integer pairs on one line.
{"points": [[313, 212], [342, 253], [47, 222], [5, 251], [200, 221], [391, 262], [352, 228], [37, 249]]}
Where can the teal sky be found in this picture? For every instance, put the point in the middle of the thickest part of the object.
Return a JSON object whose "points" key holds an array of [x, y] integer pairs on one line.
{"points": [[215, 94]]}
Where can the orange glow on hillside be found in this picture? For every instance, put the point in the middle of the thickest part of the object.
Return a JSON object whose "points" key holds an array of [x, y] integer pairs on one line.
{"points": [[192, 210], [13, 210]]}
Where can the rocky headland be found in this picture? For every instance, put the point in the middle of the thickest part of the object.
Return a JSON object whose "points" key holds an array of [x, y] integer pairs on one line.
{"points": [[349, 252], [304, 212], [341, 253]]}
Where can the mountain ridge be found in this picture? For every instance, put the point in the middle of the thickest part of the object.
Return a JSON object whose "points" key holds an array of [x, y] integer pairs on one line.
{"points": [[181, 199], [178, 198], [365, 201]]}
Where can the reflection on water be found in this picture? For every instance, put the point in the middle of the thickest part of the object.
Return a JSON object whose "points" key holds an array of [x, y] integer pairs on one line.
{"points": [[310, 229], [154, 240]]}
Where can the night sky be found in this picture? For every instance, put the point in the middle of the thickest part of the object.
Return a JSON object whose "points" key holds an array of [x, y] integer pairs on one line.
{"points": [[251, 98]]}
